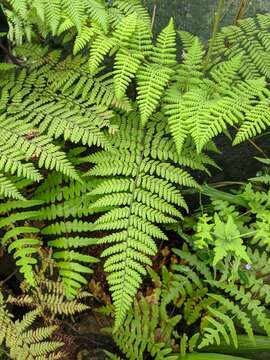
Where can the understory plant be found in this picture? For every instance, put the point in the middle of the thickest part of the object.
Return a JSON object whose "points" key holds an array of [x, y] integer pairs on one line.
{"points": [[103, 127], [213, 293]]}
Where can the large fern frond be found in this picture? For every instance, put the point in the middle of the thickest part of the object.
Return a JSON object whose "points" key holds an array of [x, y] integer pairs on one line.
{"points": [[143, 195]]}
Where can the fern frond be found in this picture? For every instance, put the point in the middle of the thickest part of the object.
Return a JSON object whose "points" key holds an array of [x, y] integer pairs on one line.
{"points": [[213, 332], [23, 343], [98, 13], [83, 38], [254, 306], [75, 11], [134, 6], [99, 48], [137, 337], [237, 312], [250, 38], [126, 65], [256, 121], [8, 189], [137, 204], [50, 297], [205, 110], [153, 77]]}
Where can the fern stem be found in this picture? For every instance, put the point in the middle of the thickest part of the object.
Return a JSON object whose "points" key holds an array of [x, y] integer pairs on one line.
{"points": [[217, 19], [257, 147], [154, 14], [135, 185], [241, 10]]}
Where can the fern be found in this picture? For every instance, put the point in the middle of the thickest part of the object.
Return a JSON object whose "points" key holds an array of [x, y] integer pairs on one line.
{"points": [[49, 298], [27, 224], [50, 14], [8, 189], [217, 328], [23, 241], [64, 243], [138, 335], [23, 343], [203, 107], [142, 195], [250, 38], [153, 77], [133, 6], [49, 104]]}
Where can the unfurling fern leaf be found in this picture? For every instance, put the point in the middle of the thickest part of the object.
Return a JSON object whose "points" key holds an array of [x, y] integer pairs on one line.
{"points": [[143, 194]]}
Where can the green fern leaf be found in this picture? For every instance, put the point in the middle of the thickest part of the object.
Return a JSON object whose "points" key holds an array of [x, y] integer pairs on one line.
{"points": [[7, 188], [154, 77], [141, 197]]}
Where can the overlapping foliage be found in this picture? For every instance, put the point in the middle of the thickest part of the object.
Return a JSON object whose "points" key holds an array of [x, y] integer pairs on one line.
{"points": [[95, 149]]}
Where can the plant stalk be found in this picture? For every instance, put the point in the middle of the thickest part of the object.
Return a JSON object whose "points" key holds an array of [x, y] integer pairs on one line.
{"points": [[217, 19], [241, 10]]}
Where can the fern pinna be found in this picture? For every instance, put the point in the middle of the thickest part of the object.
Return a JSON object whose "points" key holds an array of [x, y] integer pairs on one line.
{"points": [[202, 106], [54, 216], [44, 104], [24, 341], [143, 173]]}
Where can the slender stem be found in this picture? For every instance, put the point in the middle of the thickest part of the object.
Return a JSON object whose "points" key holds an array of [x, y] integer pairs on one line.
{"points": [[217, 19], [8, 277], [226, 183], [257, 147], [241, 10], [10, 56], [154, 14]]}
